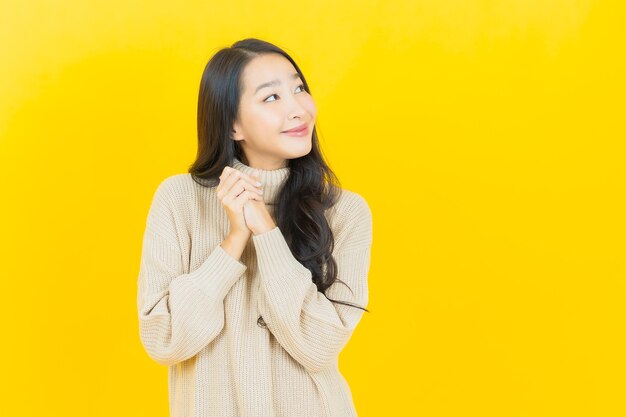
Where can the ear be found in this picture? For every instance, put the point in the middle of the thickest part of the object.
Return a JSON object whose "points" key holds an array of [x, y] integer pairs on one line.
{"points": [[236, 132]]}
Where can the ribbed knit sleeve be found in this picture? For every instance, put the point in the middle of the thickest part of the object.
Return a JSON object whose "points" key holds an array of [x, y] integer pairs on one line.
{"points": [[179, 313], [311, 328]]}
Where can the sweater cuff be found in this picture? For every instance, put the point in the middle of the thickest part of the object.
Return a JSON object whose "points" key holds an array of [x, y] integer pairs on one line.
{"points": [[217, 274], [273, 253]]}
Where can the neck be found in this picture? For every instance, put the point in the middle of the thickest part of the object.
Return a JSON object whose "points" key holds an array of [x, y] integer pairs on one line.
{"points": [[271, 179]]}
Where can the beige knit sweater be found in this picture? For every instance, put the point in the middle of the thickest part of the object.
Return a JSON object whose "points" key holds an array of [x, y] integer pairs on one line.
{"points": [[198, 307]]}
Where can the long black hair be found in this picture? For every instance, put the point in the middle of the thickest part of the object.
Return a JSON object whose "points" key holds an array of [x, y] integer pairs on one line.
{"points": [[311, 186]]}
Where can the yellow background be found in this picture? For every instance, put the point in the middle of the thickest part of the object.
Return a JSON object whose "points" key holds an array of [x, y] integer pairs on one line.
{"points": [[487, 137]]}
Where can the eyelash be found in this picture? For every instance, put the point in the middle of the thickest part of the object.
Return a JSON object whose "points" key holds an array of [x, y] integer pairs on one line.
{"points": [[301, 85]]}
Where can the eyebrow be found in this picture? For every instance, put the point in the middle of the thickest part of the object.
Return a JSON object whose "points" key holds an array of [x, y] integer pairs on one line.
{"points": [[274, 82]]}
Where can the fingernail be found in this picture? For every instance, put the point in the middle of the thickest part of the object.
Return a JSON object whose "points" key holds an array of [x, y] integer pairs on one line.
{"points": [[258, 183]]}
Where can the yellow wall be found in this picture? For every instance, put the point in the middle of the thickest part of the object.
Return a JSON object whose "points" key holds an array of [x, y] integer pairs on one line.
{"points": [[487, 136]]}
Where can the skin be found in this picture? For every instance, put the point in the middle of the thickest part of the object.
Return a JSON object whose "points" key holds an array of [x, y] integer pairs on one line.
{"points": [[263, 116]]}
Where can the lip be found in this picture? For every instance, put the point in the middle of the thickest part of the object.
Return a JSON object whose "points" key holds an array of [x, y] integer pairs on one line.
{"points": [[300, 128]]}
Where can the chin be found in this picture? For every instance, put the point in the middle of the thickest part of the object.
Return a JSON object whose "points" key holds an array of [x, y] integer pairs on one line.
{"points": [[297, 152]]}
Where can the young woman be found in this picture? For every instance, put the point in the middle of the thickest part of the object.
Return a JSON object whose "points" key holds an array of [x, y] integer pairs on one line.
{"points": [[255, 263]]}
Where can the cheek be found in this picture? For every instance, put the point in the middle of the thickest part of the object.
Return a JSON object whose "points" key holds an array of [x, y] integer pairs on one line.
{"points": [[264, 116], [310, 106]]}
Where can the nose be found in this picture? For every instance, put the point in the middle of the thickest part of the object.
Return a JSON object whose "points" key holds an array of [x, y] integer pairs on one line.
{"points": [[297, 110]]}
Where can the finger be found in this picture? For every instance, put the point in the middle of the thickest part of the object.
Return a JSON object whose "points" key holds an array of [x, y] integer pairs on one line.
{"points": [[228, 170], [245, 196], [256, 175], [236, 182], [230, 175], [242, 186], [226, 178]]}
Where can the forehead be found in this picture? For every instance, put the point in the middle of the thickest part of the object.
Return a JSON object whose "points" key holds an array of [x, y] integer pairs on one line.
{"points": [[264, 68]]}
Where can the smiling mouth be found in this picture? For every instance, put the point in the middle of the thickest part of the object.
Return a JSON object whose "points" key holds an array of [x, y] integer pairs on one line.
{"points": [[296, 129]]}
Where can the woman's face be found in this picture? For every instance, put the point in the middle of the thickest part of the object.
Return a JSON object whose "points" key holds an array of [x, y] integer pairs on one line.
{"points": [[266, 111]]}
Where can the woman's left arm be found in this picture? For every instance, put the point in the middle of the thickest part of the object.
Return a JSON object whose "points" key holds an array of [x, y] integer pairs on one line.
{"points": [[311, 328]]}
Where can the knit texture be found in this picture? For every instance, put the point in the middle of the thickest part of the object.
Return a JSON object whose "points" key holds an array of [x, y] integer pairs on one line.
{"points": [[198, 307]]}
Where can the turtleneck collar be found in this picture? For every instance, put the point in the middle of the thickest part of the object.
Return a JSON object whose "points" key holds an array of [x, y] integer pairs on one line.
{"points": [[271, 180]]}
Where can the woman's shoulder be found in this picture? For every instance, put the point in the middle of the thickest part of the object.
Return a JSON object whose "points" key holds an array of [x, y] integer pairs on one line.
{"points": [[351, 220], [349, 203], [173, 188], [175, 181]]}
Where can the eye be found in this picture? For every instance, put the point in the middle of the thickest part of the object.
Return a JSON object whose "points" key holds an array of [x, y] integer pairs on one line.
{"points": [[300, 86]]}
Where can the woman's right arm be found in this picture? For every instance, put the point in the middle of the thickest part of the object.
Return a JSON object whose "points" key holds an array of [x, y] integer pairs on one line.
{"points": [[179, 313]]}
